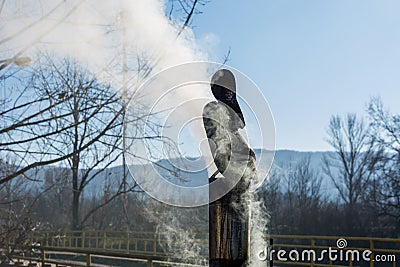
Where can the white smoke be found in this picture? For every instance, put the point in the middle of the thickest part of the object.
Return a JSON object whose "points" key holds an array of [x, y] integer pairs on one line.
{"points": [[182, 233], [259, 220], [123, 42], [97, 34]]}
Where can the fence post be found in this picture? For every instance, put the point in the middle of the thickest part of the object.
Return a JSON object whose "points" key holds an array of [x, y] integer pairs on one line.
{"points": [[43, 258], [88, 260], [149, 263], [127, 242], [104, 239], [312, 247], [154, 244], [371, 247], [83, 239], [97, 240]]}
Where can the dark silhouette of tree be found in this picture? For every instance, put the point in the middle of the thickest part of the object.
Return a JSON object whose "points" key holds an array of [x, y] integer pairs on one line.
{"points": [[90, 113], [385, 135], [349, 167], [301, 198]]}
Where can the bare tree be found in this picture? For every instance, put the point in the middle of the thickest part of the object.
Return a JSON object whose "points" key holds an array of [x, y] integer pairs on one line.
{"points": [[301, 198], [63, 115], [33, 121], [184, 10], [53, 208], [271, 196], [16, 210], [307, 185], [90, 111], [349, 166], [385, 135]]}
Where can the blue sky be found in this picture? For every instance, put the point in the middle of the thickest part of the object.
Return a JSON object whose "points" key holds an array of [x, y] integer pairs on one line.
{"points": [[311, 59]]}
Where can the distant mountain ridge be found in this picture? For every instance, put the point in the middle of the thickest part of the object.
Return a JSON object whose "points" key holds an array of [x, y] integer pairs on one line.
{"points": [[283, 159]]}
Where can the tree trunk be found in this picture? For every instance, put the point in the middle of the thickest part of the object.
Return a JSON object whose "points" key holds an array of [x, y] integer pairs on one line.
{"points": [[75, 170], [75, 211]]}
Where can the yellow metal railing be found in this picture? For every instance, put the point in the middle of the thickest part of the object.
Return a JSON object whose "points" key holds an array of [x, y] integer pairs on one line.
{"points": [[124, 241], [149, 245], [135, 246]]}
